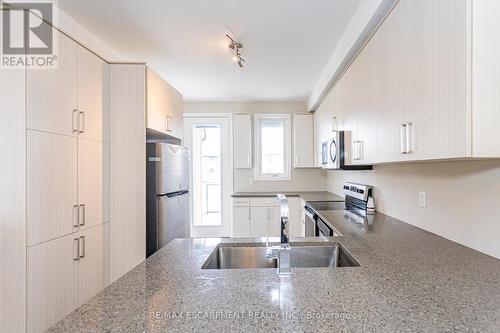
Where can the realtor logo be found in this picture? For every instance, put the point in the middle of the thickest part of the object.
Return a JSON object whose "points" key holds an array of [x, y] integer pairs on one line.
{"points": [[27, 38]]}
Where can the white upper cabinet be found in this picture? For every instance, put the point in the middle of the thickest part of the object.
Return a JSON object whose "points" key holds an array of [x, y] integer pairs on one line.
{"points": [[486, 78], [51, 94], [423, 87], [323, 125], [386, 47], [303, 144], [93, 117], [164, 106], [68, 100], [434, 77], [242, 134]]}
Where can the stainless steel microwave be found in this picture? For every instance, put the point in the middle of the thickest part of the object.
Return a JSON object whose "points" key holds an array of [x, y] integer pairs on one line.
{"points": [[336, 152]]}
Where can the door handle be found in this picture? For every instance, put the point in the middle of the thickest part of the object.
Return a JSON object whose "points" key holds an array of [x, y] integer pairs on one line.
{"points": [[402, 138], [81, 124], [82, 221], [82, 254], [77, 240], [76, 116], [76, 217], [167, 121], [408, 137]]}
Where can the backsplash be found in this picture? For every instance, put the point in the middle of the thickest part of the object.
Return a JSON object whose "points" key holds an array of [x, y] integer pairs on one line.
{"points": [[462, 198]]}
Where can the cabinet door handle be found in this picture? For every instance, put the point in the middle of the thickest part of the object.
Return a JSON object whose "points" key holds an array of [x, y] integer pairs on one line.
{"points": [[356, 150], [167, 123], [249, 214], [82, 254], [76, 121], [403, 138], [82, 221], [81, 124], [249, 163], [76, 217], [408, 137], [77, 240]]}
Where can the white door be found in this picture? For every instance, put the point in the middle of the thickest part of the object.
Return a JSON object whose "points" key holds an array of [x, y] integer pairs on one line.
{"points": [[91, 270], [94, 117], [51, 283], [93, 185], [51, 170], [51, 94], [211, 178]]}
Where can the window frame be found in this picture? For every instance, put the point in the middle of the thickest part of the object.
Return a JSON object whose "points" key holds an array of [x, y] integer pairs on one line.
{"points": [[287, 149]]}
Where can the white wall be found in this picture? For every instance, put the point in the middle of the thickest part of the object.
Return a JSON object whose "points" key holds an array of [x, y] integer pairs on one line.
{"points": [[302, 179], [366, 19], [463, 198], [75, 30]]}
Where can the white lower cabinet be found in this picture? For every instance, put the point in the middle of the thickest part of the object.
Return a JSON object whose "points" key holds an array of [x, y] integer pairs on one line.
{"points": [[63, 274], [260, 217], [241, 221], [259, 224], [51, 282], [92, 263]]}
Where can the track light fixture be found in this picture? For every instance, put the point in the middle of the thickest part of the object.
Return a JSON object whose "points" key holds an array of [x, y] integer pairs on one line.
{"points": [[236, 47]]}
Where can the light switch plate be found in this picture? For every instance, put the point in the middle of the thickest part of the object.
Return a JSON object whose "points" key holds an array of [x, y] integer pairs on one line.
{"points": [[422, 199]]}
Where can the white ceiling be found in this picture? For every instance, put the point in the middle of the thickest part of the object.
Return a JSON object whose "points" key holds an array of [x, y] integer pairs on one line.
{"points": [[287, 43]]}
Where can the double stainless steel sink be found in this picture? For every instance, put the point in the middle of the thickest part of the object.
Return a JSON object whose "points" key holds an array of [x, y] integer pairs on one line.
{"points": [[248, 255]]}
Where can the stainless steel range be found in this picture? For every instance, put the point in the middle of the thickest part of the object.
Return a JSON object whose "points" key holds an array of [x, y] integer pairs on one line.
{"points": [[359, 199], [359, 207]]}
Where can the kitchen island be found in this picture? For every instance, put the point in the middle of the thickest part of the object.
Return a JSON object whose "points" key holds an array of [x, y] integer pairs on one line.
{"points": [[409, 280]]}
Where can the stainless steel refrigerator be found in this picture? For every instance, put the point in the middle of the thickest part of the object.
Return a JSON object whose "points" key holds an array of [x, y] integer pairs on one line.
{"points": [[167, 206]]}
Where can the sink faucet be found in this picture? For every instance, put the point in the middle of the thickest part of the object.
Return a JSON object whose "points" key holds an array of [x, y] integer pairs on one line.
{"points": [[283, 252]]}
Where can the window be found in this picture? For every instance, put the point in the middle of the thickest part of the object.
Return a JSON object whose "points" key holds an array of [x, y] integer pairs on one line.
{"points": [[272, 147]]}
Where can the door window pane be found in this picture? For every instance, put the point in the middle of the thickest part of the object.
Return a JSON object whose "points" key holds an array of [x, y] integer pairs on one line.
{"points": [[207, 175]]}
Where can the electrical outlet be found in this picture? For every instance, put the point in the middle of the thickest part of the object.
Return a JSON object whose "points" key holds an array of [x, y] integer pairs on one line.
{"points": [[422, 199], [250, 181]]}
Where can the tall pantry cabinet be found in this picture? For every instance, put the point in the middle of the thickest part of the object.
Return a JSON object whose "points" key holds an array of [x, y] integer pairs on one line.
{"points": [[55, 188], [67, 183]]}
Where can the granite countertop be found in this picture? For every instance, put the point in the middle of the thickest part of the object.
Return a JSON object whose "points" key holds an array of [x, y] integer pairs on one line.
{"points": [[306, 195], [409, 280]]}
